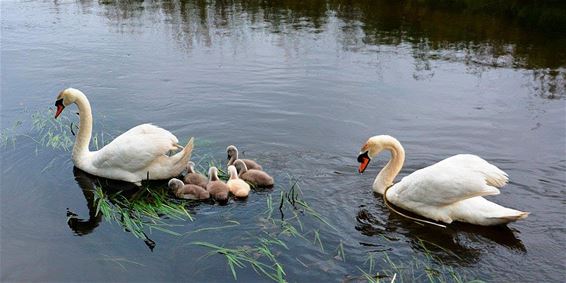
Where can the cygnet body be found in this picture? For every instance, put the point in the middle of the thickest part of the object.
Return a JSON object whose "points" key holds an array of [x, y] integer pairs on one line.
{"points": [[195, 178], [217, 189], [238, 187], [187, 191], [255, 177]]}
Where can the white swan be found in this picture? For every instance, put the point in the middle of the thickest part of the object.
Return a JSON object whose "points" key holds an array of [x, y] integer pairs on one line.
{"points": [[130, 156], [450, 190]]}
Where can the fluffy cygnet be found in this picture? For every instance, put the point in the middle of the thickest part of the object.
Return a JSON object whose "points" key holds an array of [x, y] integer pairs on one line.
{"points": [[237, 186], [187, 191], [217, 189], [193, 177], [255, 177]]}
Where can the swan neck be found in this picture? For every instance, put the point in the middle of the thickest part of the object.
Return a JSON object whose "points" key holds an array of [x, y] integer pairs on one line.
{"points": [[387, 175], [233, 158], [213, 176], [85, 127]]}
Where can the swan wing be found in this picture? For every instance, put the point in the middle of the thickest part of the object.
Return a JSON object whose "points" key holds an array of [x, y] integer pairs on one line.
{"points": [[136, 148], [451, 180]]}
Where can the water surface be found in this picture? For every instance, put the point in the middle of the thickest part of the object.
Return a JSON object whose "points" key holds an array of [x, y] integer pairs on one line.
{"points": [[299, 87]]}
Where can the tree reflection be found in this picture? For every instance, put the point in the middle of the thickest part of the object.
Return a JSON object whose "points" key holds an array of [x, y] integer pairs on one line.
{"points": [[482, 34]]}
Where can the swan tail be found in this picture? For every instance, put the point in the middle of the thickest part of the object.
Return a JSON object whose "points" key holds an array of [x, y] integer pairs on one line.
{"points": [[187, 152], [480, 211], [181, 159], [516, 215]]}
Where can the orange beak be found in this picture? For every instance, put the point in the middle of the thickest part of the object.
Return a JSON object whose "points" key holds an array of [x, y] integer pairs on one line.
{"points": [[59, 110], [60, 107], [364, 160]]}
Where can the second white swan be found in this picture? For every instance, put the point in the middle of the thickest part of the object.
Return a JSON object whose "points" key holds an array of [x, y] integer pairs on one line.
{"points": [[450, 190]]}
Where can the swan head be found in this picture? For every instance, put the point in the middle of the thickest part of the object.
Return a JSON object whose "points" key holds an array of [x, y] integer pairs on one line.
{"points": [[232, 151], [370, 149], [66, 98], [233, 172], [175, 184], [240, 166]]}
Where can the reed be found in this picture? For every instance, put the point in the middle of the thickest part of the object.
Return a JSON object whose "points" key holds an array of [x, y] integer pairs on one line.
{"points": [[260, 257], [427, 269]]}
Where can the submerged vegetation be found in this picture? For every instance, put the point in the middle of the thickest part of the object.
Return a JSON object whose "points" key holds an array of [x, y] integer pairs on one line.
{"points": [[144, 210]]}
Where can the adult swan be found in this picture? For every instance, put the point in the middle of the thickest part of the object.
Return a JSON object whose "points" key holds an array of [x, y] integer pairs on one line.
{"points": [[450, 190], [130, 157]]}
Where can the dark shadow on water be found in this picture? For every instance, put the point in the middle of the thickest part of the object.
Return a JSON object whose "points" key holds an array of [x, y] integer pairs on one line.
{"points": [[457, 243], [88, 183]]}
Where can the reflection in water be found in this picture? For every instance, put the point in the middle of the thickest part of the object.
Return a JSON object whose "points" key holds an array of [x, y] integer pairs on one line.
{"points": [[87, 183], [454, 244], [481, 34]]}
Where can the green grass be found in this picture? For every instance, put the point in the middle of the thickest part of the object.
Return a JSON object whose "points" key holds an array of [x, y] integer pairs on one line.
{"points": [[143, 212], [423, 269], [259, 257], [8, 135]]}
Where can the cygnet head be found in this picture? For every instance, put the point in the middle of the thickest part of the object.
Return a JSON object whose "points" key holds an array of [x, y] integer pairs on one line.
{"points": [[175, 184], [232, 151], [212, 174], [190, 167], [240, 166]]}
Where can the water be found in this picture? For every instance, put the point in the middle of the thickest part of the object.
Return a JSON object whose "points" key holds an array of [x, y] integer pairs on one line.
{"points": [[298, 87]]}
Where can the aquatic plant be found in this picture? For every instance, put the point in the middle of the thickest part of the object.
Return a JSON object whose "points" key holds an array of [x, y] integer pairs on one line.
{"points": [[144, 210], [8, 135], [427, 269]]}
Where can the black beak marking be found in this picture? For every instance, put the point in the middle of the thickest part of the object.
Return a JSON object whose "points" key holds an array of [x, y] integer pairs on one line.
{"points": [[362, 155]]}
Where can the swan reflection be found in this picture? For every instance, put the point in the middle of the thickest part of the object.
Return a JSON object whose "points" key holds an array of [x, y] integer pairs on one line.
{"points": [[459, 243], [88, 184]]}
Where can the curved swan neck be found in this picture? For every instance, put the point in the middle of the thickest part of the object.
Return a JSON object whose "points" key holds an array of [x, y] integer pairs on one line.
{"points": [[233, 158], [387, 175], [85, 127]]}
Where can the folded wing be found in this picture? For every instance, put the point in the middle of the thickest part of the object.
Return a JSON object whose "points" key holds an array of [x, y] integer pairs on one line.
{"points": [[451, 180], [136, 148]]}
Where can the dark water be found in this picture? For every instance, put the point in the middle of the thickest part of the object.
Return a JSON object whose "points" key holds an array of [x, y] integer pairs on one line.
{"points": [[298, 85]]}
